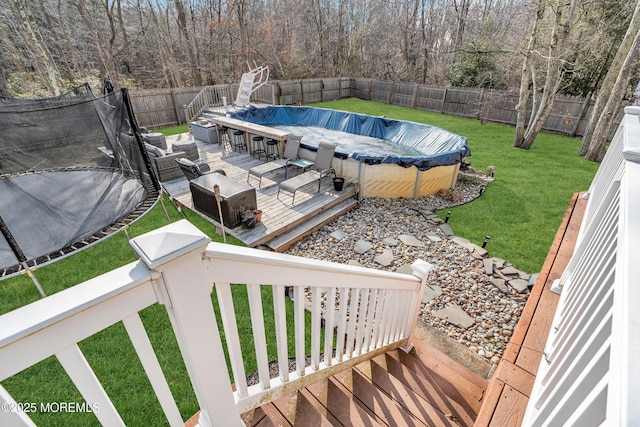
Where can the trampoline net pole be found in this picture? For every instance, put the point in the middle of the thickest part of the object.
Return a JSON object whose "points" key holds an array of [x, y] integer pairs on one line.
{"points": [[12, 242], [19, 255]]}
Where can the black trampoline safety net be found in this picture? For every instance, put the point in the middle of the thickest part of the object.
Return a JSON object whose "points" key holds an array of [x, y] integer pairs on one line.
{"points": [[72, 171]]}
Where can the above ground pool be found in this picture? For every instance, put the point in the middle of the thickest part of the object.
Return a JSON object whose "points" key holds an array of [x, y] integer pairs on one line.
{"points": [[386, 157]]}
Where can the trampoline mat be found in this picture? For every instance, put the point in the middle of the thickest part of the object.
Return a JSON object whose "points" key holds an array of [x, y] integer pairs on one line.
{"points": [[50, 210]]}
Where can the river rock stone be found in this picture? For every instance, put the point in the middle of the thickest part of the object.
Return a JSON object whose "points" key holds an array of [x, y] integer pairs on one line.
{"points": [[457, 279]]}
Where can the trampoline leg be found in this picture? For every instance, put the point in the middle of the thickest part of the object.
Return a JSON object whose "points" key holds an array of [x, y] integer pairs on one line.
{"points": [[125, 230], [35, 281], [164, 208]]}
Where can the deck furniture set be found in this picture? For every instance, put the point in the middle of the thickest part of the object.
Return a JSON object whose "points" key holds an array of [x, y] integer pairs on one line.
{"points": [[278, 148]]}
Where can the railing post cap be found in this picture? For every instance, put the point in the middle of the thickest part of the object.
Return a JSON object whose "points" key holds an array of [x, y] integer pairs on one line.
{"points": [[160, 246], [421, 268], [633, 110]]}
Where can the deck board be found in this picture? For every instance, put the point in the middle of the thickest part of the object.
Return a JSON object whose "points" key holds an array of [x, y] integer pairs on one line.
{"points": [[278, 214]]}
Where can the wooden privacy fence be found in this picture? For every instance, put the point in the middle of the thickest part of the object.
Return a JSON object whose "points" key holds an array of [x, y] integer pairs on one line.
{"points": [[165, 107]]}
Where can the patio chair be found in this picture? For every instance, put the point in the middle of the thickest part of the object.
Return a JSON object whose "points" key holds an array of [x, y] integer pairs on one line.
{"points": [[320, 169], [163, 163], [291, 148], [192, 170]]}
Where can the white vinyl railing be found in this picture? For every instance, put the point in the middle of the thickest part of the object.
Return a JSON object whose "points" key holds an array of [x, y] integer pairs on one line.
{"points": [[365, 312], [214, 96], [590, 374], [210, 96]]}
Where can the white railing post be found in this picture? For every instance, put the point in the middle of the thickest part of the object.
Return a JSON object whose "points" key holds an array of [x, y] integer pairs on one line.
{"points": [[176, 252], [421, 270]]}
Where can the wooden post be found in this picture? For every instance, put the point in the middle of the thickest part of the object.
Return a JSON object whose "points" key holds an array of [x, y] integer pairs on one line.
{"points": [[391, 87], [416, 90], [301, 93], [584, 108], [175, 251], [444, 99], [176, 108]]}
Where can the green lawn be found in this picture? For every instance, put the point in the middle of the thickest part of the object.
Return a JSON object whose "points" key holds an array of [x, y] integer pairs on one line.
{"points": [[520, 210], [523, 207]]}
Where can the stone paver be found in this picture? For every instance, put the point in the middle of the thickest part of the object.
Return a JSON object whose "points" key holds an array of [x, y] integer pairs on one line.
{"points": [[434, 237], [500, 284], [390, 241], [480, 250], [405, 269], [410, 240], [509, 271], [488, 266], [362, 246], [465, 243], [446, 229], [524, 276], [339, 235], [455, 315], [431, 292], [519, 285], [385, 258]]}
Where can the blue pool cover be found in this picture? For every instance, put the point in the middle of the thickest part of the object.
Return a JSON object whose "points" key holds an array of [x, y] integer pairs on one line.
{"points": [[389, 141]]}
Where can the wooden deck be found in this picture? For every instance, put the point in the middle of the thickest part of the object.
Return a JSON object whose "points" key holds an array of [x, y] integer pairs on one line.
{"points": [[419, 388], [510, 387], [279, 217]]}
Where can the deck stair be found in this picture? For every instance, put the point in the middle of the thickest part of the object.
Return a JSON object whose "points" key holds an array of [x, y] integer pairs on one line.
{"points": [[283, 241], [420, 388]]}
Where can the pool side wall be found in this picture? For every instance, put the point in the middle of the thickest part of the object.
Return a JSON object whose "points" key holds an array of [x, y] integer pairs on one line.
{"points": [[391, 180]]}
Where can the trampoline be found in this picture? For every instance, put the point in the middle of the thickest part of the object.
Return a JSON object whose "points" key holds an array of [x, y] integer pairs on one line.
{"points": [[385, 157], [72, 171]]}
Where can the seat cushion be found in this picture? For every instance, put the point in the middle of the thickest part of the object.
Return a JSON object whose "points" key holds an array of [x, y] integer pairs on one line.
{"points": [[154, 151]]}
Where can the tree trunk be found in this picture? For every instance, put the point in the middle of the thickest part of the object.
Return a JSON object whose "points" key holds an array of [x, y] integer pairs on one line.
{"points": [[461, 21], [596, 150], [527, 81], [182, 24], [557, 51], [43, 60], [610, 80], [170, 66]]}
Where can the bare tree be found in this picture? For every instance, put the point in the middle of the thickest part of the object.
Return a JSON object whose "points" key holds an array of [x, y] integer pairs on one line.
{"points": [[596, 150], [41, 56], [193, 60], [600, 112], [563, 15], [462, 11]]}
